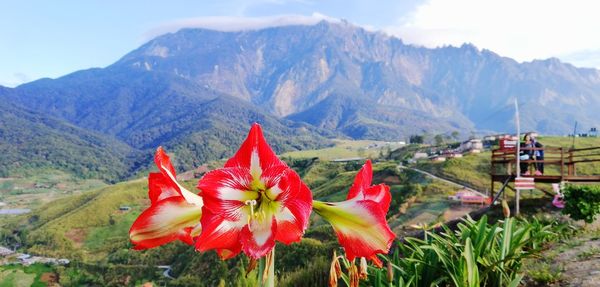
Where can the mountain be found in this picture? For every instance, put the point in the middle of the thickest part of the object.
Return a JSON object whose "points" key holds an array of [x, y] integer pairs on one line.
{"points": [[197, 91], [374, 84], [140, 111]]}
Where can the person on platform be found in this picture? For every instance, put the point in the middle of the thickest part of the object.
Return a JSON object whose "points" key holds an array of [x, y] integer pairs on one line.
{"points": [[531, 150]]}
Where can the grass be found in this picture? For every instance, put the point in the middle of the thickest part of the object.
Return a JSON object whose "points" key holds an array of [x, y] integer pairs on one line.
{"points": [[41, 186], [589, 253], [344, 149], [581, 168], [66, 223], [18, 275], [471, 169], [544, 274], [98, 237]]}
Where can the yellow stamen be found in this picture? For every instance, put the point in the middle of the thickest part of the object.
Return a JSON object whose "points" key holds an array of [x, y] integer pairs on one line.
{"points": [[252, 203]]}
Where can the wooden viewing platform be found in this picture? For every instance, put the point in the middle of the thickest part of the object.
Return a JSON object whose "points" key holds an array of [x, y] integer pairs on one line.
{"points": [[559, 164]]}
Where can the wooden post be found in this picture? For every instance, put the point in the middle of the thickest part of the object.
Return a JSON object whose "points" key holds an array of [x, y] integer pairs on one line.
{"points": [[562, 164], [518, 149], [571, 165], [492, 173]]}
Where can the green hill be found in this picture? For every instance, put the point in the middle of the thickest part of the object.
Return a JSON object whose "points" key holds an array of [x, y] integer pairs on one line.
{"points": [[31, 141], [90, 227]]}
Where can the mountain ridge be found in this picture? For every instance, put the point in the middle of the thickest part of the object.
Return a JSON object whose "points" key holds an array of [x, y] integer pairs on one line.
{"points": [[196, 91]]}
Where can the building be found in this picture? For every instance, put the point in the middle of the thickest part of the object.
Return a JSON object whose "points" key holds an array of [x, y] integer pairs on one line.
{"points": [[466, 196], [201, 170], [451, 154], [350, 159], [472, 145], [5, 251], [438, 158], [420, 155]]}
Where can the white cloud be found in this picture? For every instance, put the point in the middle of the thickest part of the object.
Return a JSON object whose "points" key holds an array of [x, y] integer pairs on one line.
{"points": [[15, 79], [521, 29], [584, 58], [227, 23]]}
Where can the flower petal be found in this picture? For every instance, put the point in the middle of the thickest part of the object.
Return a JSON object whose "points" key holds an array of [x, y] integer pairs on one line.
{"points": [[360, 226], [362, 189], [226, 190], [362, 181], [166, 220], [295, 200], [254, 153], [221, 234], [163, 162], [160, 187], [381, 194], [258, 238]]}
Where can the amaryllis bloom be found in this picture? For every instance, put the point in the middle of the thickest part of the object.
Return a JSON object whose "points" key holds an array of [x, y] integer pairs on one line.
{"points": [[359, 222], [174, 212], [253, 201]]}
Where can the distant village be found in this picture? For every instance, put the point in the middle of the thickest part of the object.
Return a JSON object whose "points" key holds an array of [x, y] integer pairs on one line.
{"points": [[9, 256]]}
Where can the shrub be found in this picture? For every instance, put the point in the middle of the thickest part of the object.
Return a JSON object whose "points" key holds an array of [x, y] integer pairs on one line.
{"points": [[475, 254], [582, 202]]}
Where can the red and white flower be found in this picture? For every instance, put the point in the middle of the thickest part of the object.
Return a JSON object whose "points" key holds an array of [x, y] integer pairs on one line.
{"points": [[359, 222], [174, 212], [253, 201]]}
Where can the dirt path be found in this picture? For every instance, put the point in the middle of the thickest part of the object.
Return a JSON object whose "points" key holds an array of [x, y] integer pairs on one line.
{"points": [[576, 260], [581, 264]]}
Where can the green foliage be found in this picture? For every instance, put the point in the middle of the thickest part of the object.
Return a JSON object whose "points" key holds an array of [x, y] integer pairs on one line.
{"points": [[544, 274], [416, 139], [582, 202], [315, 274], [300, 255], [475, 254], [31, 141]]}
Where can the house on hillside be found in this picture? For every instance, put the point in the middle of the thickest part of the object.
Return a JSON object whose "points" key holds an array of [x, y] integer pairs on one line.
{"points": [[420, 155], [201, 170], [438, 158], [5, 251], [471, 146], [466, 196], [349, 159], [451, 154]]}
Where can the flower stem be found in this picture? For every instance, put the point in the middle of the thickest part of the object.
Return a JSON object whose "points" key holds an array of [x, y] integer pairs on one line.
{"points": [[271, 276], [266, 270]]}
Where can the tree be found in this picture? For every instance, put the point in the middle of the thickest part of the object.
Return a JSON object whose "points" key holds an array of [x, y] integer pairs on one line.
{"points": [[439, 139], [455, 135], [416, 139]]}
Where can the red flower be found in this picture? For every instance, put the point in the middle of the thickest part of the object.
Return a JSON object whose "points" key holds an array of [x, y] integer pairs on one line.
{"points": [[359, 222], [174, 212], [254, 200]]}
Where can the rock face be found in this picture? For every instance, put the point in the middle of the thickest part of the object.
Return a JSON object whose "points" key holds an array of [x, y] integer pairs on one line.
{"points": [[196, 91], [365, 84]]}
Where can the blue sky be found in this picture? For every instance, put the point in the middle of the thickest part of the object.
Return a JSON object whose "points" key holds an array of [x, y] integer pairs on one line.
{"points": [[54, 38]]}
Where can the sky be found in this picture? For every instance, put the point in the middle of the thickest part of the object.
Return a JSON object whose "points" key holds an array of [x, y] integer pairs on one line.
{"points": [[53, 38]]}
